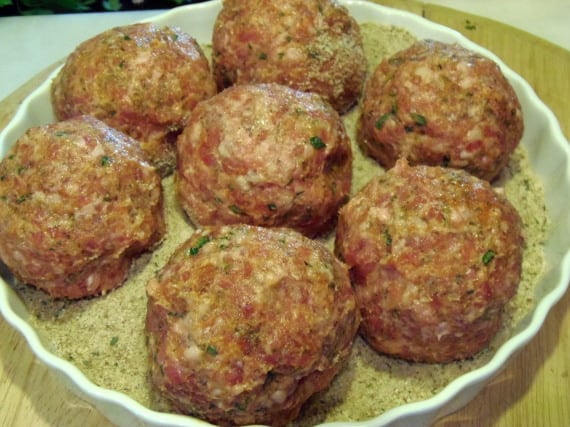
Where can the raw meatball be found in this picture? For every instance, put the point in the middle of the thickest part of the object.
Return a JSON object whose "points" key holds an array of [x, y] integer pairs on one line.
{"points": [[77, 203], [441, 105], [140, 79], [245, 323], [310, 45], [264, 155], [434, 254]]}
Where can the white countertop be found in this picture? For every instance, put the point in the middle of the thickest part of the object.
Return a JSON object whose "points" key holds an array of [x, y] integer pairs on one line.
{"points": [[30, 44]]}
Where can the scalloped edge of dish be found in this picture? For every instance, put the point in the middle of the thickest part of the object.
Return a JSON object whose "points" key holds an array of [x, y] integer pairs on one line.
{"points": [[551, 162]]}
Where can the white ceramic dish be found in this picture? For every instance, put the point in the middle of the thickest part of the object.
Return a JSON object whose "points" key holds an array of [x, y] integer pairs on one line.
{"points": [[550, 158]]}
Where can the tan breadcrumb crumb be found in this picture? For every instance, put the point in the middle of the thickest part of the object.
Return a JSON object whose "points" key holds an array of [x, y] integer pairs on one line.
{"points": [[104, 337]]}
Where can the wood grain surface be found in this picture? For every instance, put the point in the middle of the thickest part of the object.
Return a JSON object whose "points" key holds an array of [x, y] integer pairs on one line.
{"points": [[532, 390]]}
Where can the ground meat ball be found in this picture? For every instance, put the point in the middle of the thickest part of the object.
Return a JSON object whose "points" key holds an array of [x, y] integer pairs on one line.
{"points": [[245, 323], [440, 105], [264, 155], [434, 254], [140, 79], [77, 203], [310, 45]]}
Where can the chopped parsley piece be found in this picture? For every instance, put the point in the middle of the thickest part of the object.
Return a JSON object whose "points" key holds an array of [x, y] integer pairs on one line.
{"points": [[488, 257], [114, 341], [175, 314], [263, 56], [236, 209], [199, 245], [383, 118], [317, 143], [23, 198], [240, 406], [313, 53], [211, 350], [272, 207], [394, 107], [418, 119], [470, 25], [106, 161], [387, 237]]}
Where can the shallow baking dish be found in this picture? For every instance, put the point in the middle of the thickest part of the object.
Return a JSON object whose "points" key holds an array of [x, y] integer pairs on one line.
{"points": [[549, 155]]}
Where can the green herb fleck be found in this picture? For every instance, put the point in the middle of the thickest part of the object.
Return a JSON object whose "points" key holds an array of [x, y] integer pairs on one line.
{"points": [[488, 256], [23, 198], [240, 406], [114, 341], [272, 206], [394, 107], [387, 237], [236, 209], [317, 143], [313, 53], [383, 118], [199, 245], [418, 119], [263, 56], [470, 25], [126, 37], [175, 314], [106, 161], [211, 350]]}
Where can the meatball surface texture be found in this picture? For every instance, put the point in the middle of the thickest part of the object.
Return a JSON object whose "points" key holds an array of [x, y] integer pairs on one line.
{"points": [[245, 323], [441, 105], [434, 254], [264, 155], [310, 45], [77, 203], [140, 79]]}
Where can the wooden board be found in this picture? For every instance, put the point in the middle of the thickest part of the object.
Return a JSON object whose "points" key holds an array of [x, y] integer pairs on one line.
{"points": [[531, 391]]}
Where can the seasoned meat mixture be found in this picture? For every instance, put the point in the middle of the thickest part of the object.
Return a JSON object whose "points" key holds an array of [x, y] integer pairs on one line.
{"points": [[140, 79], [310, 45], [246, 323], [434, 254], [441, 105], [264, 155], [77, 203]]}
